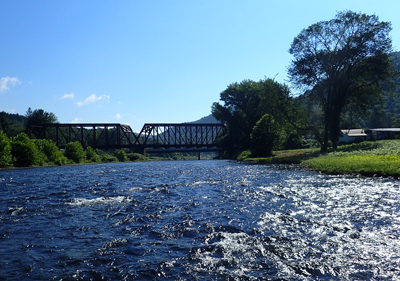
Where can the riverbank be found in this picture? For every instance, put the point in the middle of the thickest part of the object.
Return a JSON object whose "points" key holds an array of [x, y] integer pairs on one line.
{"points": [[378, 158], [109, 158]]}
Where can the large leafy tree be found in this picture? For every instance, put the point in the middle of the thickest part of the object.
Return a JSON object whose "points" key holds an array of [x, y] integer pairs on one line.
{"points": [[38, 117], [243, 104], [340, 62]]}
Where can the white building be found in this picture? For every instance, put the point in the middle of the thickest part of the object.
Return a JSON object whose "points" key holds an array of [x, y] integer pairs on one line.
{"points": [[353, 135]]}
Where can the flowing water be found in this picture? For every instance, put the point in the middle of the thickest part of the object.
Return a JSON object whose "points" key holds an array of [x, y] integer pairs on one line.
{"points": [[196, 220]]}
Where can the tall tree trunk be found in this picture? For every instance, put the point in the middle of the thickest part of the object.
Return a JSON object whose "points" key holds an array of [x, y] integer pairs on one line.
{"points": [[327, 125], [335, 129], [335, 122]]}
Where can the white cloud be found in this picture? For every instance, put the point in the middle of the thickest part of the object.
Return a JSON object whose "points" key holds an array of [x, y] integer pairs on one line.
{"points": [[93, 98], [68, 96], [6, 82], [118, 116], [76, 120]]}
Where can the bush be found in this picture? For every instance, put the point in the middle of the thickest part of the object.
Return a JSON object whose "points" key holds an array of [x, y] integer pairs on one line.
{"points": [[91, 155], [244, 155], [51, 152], [74, 151], [136, 157], [25, 152], [265, 136], [120, 155], [108, 158], [5, 151]]}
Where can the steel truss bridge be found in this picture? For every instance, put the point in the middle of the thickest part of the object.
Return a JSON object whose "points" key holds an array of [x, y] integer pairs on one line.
{"points": [[153, 138]]}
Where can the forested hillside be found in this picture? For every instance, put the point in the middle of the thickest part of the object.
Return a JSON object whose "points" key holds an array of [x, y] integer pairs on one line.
{"points": [[12, 124], [207, 119]]}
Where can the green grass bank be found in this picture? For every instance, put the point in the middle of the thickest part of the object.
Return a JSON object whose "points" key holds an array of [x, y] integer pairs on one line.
{"points": [[377, 158]]}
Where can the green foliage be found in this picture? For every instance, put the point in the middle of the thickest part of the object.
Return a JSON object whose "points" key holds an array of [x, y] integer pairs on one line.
{"points": [[37, 117], [11, 124], [360, 164], [74, 151], [343, 62], [244, 155], [108, 158], [381, 158], [91, 155], [367, 158], [120, 155], [105, 156], [136, 157], [5, 151], [244, 104], [265, 136], [25, 152], [5, 123], [51, 153]]}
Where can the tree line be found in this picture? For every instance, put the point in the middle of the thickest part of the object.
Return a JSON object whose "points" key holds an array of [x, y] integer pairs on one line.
{"points": [[22, 151], [17, 149], [345, 73]]}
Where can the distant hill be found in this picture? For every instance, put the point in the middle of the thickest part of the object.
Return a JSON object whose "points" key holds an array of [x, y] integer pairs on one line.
{"points": [[15, 117], [12, 124], [207, 119]]}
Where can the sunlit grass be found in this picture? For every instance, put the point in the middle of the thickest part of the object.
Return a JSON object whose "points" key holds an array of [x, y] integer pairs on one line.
{"points": [[366, 158], [360, 164], [295, 156]]}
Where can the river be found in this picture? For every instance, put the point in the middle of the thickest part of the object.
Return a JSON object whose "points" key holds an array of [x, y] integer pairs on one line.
{"points": [[196, 220]]}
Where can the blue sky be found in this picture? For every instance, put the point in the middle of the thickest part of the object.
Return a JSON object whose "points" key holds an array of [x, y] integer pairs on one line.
{"points": [[137, 62]]}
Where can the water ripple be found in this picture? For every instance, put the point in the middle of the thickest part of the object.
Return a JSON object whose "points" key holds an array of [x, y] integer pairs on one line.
{"points": [[196, 220]]}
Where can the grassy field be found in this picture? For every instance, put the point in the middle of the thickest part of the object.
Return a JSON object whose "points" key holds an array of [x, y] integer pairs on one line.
{"points": [[378, 158]]}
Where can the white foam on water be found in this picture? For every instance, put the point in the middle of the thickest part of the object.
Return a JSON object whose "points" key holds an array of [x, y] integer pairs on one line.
{"points": [[16, 210], [99, 201], [205, 183]]}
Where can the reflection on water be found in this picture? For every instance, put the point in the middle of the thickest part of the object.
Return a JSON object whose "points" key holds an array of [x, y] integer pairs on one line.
{"points": [[196, 220]]}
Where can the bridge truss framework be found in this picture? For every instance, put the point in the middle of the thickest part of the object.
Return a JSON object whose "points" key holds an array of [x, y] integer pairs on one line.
{"points": [[154, 137]]}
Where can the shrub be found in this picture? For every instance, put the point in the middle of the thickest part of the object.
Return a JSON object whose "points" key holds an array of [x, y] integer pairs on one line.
{"points": [[136, 157], [74, 151], [25, 152], [244, 155], [265, 136], [108, 158], [40, 144], [92, 155], [52, 153], [120, 155], [5, 151]]}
